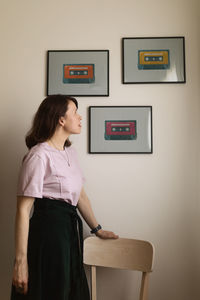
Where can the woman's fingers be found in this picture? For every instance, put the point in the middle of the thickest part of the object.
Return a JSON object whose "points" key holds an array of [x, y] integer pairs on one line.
{"points": [[20, 277], [22, 288], [112, 235], [104, 234], [25, 288]]}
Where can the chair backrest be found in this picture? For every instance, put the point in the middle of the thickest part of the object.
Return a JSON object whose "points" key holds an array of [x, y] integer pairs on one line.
{"points": [[119, 253]]}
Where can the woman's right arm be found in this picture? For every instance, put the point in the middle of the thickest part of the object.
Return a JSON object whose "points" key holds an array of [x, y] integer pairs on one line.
{"points": [[20, 271]]}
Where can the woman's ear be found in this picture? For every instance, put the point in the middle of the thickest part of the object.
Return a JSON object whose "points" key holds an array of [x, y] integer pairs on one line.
{"points": [[61, 121]]}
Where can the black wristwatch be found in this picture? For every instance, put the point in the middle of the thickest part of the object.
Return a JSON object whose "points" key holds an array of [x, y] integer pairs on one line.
{"points": [[94, 230]]}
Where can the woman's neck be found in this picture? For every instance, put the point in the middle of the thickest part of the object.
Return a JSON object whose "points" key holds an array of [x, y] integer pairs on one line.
{"points": [[58, 140]]}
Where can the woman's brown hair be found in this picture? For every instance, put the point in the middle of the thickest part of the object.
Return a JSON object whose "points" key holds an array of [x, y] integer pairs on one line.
{"points": [[46, 119]]}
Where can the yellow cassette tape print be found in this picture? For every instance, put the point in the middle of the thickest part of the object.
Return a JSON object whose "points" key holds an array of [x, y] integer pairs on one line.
{"points": [[153, 59]]}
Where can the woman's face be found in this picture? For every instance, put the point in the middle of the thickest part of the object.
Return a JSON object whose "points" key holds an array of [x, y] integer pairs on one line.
{"points": [[72, 120]]}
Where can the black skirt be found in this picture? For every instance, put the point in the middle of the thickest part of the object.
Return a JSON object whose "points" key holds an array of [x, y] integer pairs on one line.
{"points": [[55, 254]]}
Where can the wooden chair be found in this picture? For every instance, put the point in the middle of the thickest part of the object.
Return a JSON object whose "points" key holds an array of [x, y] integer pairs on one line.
{"points": [[121, 253]]}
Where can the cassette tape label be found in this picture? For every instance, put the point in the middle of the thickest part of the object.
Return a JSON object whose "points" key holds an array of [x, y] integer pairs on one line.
{"points": [[153, 59], [78, 73], [120, 130]]}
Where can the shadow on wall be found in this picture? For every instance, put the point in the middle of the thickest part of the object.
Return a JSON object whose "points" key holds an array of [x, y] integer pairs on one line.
{"points": [[10, 161]]}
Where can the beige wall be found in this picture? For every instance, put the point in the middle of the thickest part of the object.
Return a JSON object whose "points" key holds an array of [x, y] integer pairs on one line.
{"points": [[156, 198]]}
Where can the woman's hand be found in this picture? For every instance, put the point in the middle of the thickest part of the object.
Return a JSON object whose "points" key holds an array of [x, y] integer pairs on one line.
{"points": [[104, 234], [20, 276]]}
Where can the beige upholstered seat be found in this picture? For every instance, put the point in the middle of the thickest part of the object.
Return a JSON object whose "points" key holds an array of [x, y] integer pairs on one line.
{"points": [[121, 253]]}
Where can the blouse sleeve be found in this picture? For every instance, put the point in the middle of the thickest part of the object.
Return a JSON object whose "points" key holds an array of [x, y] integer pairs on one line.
{"points": [[30, 182]]}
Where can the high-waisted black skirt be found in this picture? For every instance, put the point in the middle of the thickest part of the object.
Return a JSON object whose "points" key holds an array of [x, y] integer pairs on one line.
{"points": [[55, 254]]}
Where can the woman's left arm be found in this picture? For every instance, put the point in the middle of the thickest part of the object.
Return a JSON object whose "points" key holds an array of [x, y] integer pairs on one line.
{"points": [[86, 211]]}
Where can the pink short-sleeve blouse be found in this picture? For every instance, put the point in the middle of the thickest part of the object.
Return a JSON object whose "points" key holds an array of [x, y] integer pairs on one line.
{"points": [[51, 173]]}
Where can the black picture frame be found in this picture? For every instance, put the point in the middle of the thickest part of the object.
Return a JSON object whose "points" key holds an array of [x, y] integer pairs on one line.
{"points": [[153, 60], [134, 122], [81, 73]]}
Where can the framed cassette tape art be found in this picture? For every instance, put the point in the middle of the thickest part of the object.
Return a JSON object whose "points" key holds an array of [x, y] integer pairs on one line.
{"points": [[153, 60], [120, 129], [78, 72]]}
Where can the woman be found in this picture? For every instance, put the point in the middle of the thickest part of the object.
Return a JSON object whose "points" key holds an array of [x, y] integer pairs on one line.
{"points": [[48, 247]]}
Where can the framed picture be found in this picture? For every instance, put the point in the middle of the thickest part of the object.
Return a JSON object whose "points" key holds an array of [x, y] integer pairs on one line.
{"points": [[78, 72], [153, 60], [120, 129]]}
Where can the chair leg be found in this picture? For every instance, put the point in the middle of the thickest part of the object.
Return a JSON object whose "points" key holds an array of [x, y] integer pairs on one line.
{"points": [[93, 283], [144, 286]]}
